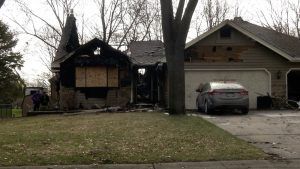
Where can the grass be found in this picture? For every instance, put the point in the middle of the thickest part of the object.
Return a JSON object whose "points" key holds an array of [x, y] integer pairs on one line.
{"points": [[117, 138], [17, 112], [12, 113]]}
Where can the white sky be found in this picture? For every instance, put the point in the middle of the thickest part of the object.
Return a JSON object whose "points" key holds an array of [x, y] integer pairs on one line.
{"points": [[29, 47]]}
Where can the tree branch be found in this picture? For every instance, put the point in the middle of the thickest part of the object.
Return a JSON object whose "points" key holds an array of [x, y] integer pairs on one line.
{"points": [[179, 12], [167, 20], [187, 17]]}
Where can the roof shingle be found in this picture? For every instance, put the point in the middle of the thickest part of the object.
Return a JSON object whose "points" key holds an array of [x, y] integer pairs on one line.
{"points": [[146, 53], [286, 43]]}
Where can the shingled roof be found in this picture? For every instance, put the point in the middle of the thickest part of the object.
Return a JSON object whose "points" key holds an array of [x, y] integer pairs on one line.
{"points": [[146, 53], [69, 41], [285, 45]]}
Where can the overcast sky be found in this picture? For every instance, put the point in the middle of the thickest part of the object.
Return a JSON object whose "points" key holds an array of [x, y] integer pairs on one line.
{"points": [[28, 46]]}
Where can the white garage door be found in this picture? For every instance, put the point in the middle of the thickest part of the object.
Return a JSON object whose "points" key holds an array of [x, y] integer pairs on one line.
{"points": [[256, 81]]}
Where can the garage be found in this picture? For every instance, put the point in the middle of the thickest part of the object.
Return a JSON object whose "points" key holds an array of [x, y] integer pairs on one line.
{"points": [[293, 81], [257, 81]]}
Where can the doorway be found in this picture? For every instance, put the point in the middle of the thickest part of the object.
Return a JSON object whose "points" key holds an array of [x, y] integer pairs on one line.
{"points": [[293, 85]]}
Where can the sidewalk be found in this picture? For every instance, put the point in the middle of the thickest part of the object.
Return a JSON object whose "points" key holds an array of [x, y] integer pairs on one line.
{"points": [[255, 164]]}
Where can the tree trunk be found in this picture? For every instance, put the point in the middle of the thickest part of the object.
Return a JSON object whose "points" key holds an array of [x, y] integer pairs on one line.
{"points": [[175, 31], [176, 80], [1, 3]]}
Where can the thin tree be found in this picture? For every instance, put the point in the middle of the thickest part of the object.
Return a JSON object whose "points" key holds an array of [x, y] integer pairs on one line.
{"points": [[214, 12], [238, 11], [175, 30], [295, 10], [51, 31], [278, 19], [123, 21]]}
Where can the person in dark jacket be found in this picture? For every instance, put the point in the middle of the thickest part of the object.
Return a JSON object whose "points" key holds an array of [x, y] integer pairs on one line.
{"points": [[44, 99]]}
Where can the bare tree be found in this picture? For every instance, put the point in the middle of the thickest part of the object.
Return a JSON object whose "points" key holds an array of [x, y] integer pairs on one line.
{"points": [[124, 21], [51, 31], [197, 22], [175, 30], [278, 19], [41, 80], [148, 19], [238, 11], [295, 10], [214, 12]]}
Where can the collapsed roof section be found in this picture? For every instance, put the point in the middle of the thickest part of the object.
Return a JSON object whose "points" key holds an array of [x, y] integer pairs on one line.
{"points": [[146, 53], [96, 52]]}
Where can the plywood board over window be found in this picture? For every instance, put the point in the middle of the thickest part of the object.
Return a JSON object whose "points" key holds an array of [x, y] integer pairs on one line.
{"points": [[96, 77], [80, 77], [113, 77]]}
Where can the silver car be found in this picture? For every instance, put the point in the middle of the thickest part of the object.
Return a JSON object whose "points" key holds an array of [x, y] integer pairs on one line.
{"points": [[222, 95]]}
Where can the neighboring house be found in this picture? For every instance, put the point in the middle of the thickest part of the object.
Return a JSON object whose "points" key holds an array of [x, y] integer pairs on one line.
{"points": [[88, 76], [263, 60], [149, 72]]}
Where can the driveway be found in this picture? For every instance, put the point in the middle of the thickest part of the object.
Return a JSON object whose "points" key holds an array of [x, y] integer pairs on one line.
{"points": [[276, 132]]}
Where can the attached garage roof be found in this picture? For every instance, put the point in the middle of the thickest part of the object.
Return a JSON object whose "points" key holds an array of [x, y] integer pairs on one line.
{"points": [[285, 45]]}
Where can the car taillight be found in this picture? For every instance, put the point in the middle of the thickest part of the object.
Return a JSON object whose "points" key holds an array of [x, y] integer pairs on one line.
{"points": [[215, 92], [244, 92]]}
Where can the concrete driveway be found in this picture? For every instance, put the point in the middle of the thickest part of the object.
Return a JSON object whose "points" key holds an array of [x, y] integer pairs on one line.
{"points": [[276, 132]]}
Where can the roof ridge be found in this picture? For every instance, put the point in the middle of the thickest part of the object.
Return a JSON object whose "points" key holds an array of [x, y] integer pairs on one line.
{"points": [[266, 28]]}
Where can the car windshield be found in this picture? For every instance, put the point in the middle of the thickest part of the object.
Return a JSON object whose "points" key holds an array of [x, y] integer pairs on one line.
{"points": [[229, 85]]}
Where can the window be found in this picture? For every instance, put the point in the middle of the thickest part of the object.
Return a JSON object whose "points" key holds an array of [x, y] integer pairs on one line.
{"points": [[97, 51], [214, 49], [229, 49], [225, 33], [97, 77]]}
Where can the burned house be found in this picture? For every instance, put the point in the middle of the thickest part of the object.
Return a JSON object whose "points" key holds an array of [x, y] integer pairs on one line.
{"points": [[149, 72], [88, 76]]}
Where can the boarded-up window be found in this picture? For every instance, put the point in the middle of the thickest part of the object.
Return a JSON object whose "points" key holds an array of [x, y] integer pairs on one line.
{"points": [[97, 77], [112, 77]]}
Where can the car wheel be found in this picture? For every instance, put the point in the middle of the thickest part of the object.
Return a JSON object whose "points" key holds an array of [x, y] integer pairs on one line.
{"points": [[206, 108], [199, 109], [245, 111]]}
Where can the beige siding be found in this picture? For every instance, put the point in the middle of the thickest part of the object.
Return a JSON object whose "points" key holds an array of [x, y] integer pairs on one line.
{"points": [[254, 56]]}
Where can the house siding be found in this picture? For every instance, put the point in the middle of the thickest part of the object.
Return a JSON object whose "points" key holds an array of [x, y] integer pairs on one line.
{"points": [[251, 54]]}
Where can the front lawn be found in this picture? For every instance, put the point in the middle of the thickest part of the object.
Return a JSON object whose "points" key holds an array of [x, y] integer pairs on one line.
{"points": [[117, 138], [17, 112]]}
